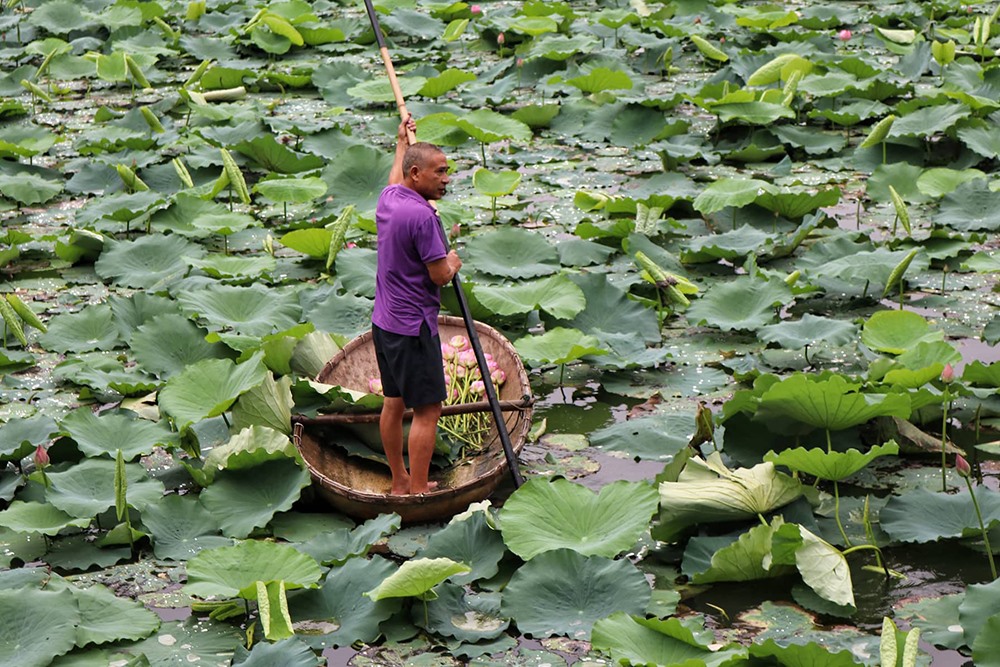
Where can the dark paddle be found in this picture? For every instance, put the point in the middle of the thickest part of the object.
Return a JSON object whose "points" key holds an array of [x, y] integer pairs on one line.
{"points": [[463, 305]]}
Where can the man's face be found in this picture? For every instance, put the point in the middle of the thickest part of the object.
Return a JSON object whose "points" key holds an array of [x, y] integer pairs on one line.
{"points": [[431, 179]]}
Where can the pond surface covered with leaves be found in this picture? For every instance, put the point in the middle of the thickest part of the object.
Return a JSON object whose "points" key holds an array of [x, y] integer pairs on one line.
{"points": [[746, 250]]}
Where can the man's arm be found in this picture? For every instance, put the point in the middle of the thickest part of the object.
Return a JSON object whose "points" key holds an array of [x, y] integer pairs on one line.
{"points": [[444, 269], [402, 143]]}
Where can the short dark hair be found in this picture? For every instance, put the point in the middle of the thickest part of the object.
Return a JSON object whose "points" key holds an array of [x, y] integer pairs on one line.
{"points": [[418, 154]]}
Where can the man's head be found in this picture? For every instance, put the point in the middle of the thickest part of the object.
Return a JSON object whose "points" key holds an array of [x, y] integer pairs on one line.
{"points": [[425, 170]]}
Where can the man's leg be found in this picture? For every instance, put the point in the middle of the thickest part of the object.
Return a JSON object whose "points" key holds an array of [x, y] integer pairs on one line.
{"points": [[390, 426], [423, 432]]}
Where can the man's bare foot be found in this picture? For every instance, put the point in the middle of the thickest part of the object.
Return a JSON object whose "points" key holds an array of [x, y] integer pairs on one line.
{"points": [[430, 487], [400, 487]]}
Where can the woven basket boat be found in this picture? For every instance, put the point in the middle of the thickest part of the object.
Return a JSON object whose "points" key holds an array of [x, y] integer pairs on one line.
{"points": [[359, 487]]}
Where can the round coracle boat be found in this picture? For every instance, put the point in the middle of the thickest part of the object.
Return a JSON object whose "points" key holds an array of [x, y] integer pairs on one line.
{"points": [[358, 483]]}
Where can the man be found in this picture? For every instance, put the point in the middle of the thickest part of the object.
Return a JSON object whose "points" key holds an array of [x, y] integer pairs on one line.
{"points": [[413, 263]]}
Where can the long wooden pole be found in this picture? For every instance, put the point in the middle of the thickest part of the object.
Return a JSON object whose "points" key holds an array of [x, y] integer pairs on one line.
{"points": [[463, 305]]}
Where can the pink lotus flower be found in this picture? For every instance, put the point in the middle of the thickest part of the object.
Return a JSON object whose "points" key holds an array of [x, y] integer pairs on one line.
{"points": [[962, 466], [459, 342], [467, 358], [844, 35], [478, 388], [375, 386], [41, 458], [475, 10], [447, 351], [947, 374], [498, 376]]}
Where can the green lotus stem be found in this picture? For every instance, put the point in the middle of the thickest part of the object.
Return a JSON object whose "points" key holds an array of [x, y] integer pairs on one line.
{"points": [[836, 510], [944, 462], [878, 555], [982, 528]]}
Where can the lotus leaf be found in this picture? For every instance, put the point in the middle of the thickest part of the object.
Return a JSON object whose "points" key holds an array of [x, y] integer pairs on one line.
{"points": [[338, 613], [266, 152], [743, 304], [707, 491], [513, 253], [552, 514], [464, 616], [983, 139], [822, 566], [558, 346], [253, 311], [138, 309], [972, 206], [104, 373], [611, 315], [495, 183], [445, 82], [36, 626], [896, 331], [19, 437], [116, 430], [180, 528], [929, 120], [252, 446], [600, 79], [488, 126], [748, 558], [796, 203], [92, 328], [168, 344], [313, 241], [832, 466], [924, 516], [556, 295], [563, 592], [799, 654], [986, 647], [830, 403], [472, 541], [808, 330], [247, 498], [104, 617], [44, 518], [416, 578], [292, 190], [637, 640], [358, 176], [942, 181], [204, 643], [288, 652], [981, 603], [731, 245], [234, 571], [337, 546], [655, 437], [28, 188], [729, 192], [88, 488], [208, 388]]}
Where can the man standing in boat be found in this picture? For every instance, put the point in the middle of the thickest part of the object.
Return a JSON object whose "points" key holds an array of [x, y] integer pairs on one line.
{"points": [[413, 263]]}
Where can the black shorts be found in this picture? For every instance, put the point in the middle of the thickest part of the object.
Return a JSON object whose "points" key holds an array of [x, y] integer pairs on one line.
{"points": [[411, 366]]}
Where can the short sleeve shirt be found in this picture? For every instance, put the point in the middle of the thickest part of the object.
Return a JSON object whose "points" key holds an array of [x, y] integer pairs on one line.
{"points": [[409, 237]]}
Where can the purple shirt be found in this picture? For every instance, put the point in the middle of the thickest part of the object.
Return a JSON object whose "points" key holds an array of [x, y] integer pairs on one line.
{"points": [[409, 237]]}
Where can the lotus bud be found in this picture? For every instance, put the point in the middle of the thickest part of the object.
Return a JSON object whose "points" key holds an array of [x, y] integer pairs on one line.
{"points": [[41, 458], [475, 10], [459, 342], [501, 39], [947, 374], [519, 62], [375, 386], [447, 351], [456, 229], [498, 376], [478, 388], [962, 466], [467, 358], [844, 35], [491, 365]]}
